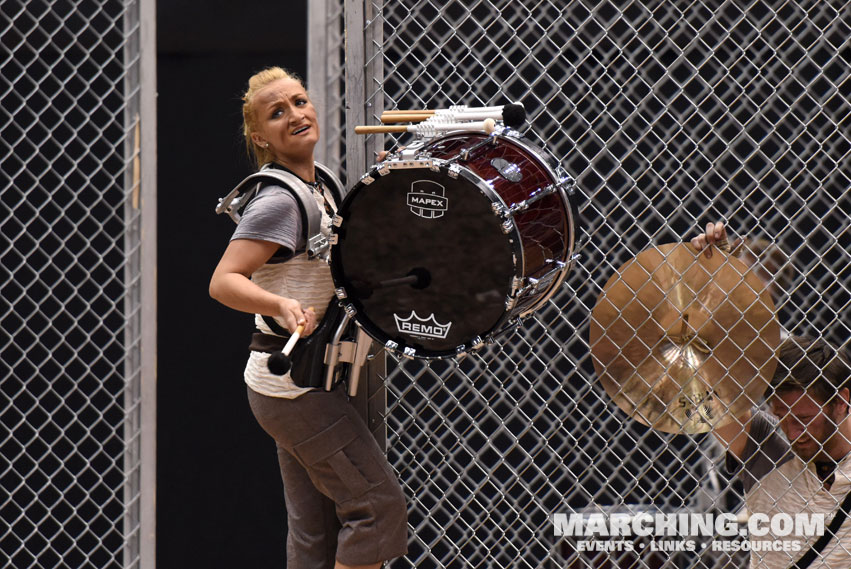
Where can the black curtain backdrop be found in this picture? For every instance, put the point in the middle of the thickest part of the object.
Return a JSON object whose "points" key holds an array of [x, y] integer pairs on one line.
{"points": [[219, 495]]}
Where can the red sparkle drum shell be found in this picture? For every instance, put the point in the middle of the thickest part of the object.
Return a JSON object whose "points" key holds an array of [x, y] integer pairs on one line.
{"points": [[426, 257]]}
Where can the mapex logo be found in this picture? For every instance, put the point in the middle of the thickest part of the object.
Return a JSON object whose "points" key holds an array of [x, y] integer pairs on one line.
{"points": [[427, 327], [427, 199]]}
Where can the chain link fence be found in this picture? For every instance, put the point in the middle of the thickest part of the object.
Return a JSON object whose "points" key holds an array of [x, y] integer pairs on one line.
{"points": [[73, 287], [669, 116]]}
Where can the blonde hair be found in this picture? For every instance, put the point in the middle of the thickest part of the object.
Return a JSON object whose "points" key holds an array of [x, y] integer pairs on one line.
{"points": [[258, 154]]}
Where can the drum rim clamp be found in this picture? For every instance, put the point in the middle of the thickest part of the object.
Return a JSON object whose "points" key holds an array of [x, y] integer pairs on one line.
{"points": [[354, 352]]}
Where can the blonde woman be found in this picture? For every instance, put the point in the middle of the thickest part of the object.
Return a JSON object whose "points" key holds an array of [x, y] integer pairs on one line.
{"points": [[345, 507]]}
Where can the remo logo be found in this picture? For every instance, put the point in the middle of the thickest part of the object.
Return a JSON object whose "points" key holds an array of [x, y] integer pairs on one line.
{"points": [[415, 325]]}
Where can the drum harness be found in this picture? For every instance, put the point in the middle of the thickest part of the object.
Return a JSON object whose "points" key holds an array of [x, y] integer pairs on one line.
{"points": [[337, 350]]}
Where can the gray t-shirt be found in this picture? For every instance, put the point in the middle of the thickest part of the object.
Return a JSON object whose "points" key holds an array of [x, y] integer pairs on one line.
{"points": [[273, 215], [765, 450]]}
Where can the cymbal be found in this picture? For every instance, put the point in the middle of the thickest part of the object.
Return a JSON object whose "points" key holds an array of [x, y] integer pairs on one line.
{"points": [[684, 343]]}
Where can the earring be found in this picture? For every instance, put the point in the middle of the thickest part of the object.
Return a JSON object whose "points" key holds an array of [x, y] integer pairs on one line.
{"points": [[266, 145]]}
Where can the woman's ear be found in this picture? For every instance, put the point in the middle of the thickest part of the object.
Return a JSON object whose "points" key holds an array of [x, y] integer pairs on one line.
{"points": [[258, 140]]}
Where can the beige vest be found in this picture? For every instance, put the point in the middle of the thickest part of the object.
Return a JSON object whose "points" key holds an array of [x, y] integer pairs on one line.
{"points": [[306, 280]]}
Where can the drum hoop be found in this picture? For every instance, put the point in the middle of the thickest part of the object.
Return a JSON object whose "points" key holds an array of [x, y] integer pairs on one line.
{"points": [[535, 151], [494, 198], [367, 324], [569, 261], [516, 140], [570, 209], [556, 175], [507, 319]]}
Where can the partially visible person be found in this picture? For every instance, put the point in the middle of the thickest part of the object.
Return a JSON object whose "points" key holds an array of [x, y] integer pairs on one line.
{"points": [[808, 471], [345, 507], [806, 466]]}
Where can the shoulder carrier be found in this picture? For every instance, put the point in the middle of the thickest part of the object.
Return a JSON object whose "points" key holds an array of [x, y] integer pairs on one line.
{"points": [[236, 200]]}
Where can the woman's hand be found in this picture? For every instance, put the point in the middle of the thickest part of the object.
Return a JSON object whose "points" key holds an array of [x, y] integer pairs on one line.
{"points": [[293, 315]]}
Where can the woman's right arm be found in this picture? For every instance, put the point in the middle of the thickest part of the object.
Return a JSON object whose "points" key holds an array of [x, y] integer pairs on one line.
{"points": [[232, 286]]}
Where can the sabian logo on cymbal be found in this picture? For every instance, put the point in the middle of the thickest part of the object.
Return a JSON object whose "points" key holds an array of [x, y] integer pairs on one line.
{"points": [[417, 326], [427, 199]]}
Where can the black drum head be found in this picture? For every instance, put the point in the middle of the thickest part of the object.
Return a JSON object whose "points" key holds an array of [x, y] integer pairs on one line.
{"points": [[423, 260]]}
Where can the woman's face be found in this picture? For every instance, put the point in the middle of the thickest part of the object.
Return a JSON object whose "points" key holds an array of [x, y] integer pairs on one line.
{"points": [[286, 120]]}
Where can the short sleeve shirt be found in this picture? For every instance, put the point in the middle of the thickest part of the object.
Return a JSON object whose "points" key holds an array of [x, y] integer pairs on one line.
{"points": [[273, 215]]}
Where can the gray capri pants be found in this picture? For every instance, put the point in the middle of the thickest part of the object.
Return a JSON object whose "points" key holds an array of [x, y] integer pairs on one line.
{"points": [[343, 499]]}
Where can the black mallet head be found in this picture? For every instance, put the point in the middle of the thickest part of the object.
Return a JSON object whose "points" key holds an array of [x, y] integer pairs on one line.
{"points": [[279, 363], [514, 115]]}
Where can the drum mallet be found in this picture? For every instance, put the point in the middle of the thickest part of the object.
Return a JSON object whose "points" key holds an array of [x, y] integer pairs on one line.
{"points": [[512, 114], [280, 363], [427, 128]]}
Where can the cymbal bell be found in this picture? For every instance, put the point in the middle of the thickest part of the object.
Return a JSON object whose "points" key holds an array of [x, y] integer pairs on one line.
{"points": [[684, 343]]}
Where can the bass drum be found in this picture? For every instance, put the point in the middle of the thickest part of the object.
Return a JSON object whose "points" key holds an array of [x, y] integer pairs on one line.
{"points": [[438, 251]]}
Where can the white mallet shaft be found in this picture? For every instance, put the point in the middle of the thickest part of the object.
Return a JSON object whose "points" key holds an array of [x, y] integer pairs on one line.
{"points": [[486, 125], [288, 347]]}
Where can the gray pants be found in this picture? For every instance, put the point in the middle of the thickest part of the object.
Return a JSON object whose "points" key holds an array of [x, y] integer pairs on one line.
{"points": [[343, 499]]}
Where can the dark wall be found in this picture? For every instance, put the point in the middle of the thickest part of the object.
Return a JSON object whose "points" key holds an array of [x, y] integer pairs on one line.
{"points": [[219, 494]]}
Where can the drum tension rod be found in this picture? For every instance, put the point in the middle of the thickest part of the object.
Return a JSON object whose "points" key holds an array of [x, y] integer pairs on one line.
{"points": [[545, 279], [464, 154], [538, 194]]}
